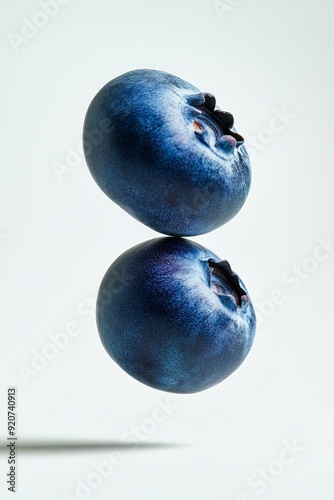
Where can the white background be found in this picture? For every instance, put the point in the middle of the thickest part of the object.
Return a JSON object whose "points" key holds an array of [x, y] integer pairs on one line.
{"points": [[59, 234]]}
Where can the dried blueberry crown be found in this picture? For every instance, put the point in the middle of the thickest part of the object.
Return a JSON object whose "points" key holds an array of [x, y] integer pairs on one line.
{"points": [[224, 120]]}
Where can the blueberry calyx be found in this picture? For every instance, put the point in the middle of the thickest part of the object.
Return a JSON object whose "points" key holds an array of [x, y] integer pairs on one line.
{"points": [[222, 270], [223, 119], [210, 101]]}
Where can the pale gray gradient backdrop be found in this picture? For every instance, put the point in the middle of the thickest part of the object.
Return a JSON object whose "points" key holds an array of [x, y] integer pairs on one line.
{"points": [[59, 234]]}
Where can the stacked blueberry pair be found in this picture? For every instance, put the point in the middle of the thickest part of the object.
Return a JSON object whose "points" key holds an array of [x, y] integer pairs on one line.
{"points": [[169, 311]]}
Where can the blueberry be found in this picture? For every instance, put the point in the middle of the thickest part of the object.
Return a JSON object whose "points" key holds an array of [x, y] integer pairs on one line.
{"points": [[165, 153], [174, 316]]}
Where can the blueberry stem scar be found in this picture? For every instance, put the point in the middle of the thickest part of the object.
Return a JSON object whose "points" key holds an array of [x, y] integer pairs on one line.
{"points": [[223, 271]]}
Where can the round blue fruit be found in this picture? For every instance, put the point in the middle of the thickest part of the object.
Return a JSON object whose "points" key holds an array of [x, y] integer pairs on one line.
{"points": [[166, 153], [174, 316]]}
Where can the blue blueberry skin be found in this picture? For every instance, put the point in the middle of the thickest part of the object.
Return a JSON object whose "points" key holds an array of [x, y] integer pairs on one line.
{"points": [[165, 153], [174, 316]]}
